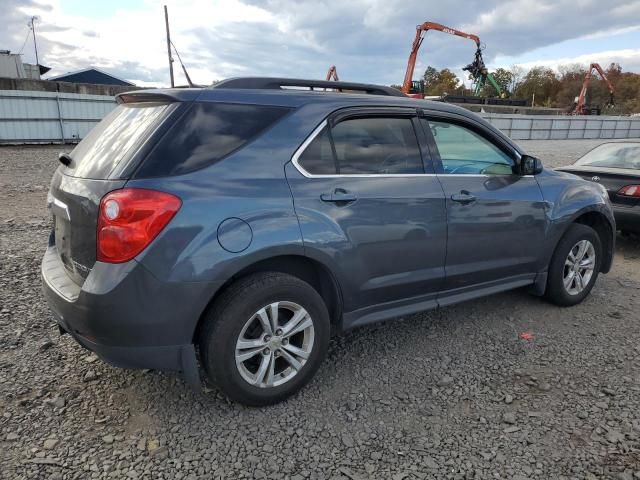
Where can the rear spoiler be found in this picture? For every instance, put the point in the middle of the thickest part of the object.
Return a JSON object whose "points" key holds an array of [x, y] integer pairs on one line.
{"points": [[158, 96], [133, 97]]}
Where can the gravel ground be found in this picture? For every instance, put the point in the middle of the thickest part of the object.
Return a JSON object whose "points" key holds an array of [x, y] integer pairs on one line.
{"points": [[455, 393]]}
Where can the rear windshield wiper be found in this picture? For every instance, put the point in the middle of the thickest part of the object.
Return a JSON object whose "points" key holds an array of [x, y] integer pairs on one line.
{"points": [[65, 159]]}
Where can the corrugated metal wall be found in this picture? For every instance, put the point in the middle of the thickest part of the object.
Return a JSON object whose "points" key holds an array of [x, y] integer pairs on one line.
{"points": [[49, 117]]}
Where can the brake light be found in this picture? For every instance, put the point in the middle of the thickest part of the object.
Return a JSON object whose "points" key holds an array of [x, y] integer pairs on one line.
{"points": [[129, 219], [630, 191]]}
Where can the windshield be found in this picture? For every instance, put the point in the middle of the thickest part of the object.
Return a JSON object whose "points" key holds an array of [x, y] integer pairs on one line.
{"points": [[109, 142], [613, 155]]}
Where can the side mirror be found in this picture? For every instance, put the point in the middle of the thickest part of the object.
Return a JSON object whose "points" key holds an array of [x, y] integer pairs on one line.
{"points": [[530, 165]]}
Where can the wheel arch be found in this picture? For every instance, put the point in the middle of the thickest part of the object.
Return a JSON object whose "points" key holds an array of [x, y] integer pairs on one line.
{"points": [[605, 229], [312, 271]]}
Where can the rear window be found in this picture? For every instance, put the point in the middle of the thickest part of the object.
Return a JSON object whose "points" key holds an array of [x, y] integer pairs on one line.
{"points": [[613, 155], [115, 138], [205, 134]]}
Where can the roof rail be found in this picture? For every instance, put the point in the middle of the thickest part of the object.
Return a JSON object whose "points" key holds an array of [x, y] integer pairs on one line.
{"points": [[268, 83]]}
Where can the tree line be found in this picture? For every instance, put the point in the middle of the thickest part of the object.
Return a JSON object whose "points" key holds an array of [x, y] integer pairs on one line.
{"points": [[547, 87]]}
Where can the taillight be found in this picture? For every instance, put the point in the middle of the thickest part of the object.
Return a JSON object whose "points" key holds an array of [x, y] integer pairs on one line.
{"points": [[129, 219], [630, 191]]}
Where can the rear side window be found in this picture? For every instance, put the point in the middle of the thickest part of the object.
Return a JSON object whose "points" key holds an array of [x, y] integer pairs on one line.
{"points": [[317, 159], [377, 146], [205, 134], [114, 139], [365, 146]]}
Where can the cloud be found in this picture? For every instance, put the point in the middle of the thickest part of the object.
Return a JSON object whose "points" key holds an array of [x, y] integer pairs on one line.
{"points": [[368, 40], [629, 57]]}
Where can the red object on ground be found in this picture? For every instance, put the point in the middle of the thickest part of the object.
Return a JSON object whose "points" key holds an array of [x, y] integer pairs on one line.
{"points": [[526, 336]]}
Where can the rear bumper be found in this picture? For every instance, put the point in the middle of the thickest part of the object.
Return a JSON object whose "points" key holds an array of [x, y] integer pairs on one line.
{"points": [[126, 316], [627, 218]]}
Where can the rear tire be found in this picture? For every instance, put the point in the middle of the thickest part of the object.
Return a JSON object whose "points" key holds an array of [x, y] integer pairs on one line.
{"points": [[574, 266], [264, 338]]}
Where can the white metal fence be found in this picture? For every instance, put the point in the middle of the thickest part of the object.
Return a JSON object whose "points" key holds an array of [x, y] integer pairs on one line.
{"points": [[50, 117], [551, 127]]}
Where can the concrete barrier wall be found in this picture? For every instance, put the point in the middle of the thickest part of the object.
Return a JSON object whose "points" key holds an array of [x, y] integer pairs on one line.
{"points": [[543, 127], [49, 117], [55, 117]]}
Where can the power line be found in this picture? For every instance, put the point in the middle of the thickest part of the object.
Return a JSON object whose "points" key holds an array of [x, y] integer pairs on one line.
{"points": [[184, 69], [25, 41]]}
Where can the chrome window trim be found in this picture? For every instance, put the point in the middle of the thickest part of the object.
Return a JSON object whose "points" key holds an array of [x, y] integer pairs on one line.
{"points": [[301, 149]]}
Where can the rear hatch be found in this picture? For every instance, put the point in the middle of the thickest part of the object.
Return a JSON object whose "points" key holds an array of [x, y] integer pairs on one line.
{"points": [[99, 164], [613, 179]]}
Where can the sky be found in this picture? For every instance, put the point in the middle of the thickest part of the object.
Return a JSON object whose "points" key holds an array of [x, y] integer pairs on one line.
{"points": [[367, 40]]}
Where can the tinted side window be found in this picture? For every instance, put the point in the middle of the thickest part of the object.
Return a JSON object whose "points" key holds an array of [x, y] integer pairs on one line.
{"points": [[205, 134], [317, 158], [377, 145], [462, 151]]}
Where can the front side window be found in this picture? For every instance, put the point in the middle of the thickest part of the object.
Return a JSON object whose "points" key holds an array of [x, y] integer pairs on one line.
{"points": [[365, 146], [462, 151]]}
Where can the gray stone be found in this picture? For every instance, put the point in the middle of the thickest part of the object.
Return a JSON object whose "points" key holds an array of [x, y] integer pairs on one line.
{"points": [[445, 381], [509, 417], [50, 443]]}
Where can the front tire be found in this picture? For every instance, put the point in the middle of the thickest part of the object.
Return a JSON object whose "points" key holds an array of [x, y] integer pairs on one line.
{"points": [[574, 266], [265, 338]]}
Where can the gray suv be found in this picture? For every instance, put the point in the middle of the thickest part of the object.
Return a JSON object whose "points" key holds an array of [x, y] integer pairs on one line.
{"points": [[238, 226]]}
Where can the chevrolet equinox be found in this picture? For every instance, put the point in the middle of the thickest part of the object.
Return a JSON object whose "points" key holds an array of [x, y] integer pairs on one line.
{"points": [[237, 226]]}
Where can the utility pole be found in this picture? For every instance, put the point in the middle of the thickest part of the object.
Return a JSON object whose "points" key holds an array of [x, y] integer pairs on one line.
{"points": [[166, 21], [33, 29]]}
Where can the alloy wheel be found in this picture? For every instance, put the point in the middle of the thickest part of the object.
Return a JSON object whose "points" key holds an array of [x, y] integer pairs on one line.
{"points": [[579, 267], [274, 344]]}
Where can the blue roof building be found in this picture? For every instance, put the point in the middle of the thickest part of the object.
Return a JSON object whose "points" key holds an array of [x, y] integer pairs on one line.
{"points": [[91, 75]]}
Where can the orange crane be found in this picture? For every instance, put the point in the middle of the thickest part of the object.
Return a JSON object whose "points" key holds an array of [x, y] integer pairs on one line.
{"points": [[580, 107], [415, 89], [332, 73]]}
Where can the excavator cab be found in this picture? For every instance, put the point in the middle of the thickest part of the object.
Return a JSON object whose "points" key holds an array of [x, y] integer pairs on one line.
{"points": [[417, 87]]}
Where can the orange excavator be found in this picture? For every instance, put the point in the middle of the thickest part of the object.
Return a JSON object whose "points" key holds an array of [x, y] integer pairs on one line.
{"points": [[332, 73], [580, 105], [416, 88]]}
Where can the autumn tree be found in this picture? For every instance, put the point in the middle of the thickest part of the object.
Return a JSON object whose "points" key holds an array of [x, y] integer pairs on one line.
{"points": [[540, 82], [440, 82]]}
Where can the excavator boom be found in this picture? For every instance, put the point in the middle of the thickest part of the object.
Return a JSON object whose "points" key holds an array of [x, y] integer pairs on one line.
{"points": [[580, 106], [417, 41], [332, 73]]}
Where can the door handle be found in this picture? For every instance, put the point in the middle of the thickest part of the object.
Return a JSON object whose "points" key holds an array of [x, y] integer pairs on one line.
{"points": [[339, 195], [463, 197]]}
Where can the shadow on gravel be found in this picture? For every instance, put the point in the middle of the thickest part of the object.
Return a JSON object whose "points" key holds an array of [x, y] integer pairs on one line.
{"points": [[377, 353]]}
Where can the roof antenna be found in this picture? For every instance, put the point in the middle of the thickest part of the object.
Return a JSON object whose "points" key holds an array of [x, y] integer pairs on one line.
{"points": [[184, 69]]}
